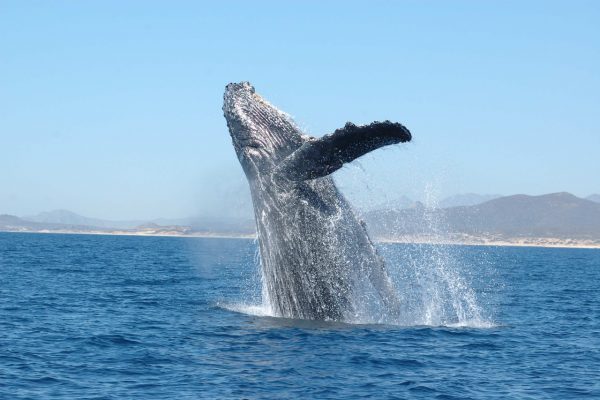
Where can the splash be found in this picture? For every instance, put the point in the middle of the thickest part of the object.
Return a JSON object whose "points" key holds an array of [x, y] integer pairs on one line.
{"points": [[434, 287], [256, 310], [435, 279], [316, 258], [434, 283]]}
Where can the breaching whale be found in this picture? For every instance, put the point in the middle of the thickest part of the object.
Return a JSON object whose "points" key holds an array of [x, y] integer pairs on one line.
{"points": [[317, 259]]}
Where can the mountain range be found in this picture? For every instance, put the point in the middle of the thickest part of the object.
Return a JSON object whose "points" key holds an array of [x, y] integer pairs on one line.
{"points": [[594, 198], [70, 218], [556, 215], [201, 224]]}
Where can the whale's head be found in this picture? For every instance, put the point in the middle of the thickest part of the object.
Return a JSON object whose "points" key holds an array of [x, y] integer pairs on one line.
{"points": [[261, 134]]}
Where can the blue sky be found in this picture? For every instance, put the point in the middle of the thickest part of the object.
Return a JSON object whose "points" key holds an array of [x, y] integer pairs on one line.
{"points": [[113, 108]]}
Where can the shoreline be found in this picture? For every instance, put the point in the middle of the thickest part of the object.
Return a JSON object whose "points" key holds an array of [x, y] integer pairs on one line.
{"points": [[142, 234], [464, 241], [572, 244]]}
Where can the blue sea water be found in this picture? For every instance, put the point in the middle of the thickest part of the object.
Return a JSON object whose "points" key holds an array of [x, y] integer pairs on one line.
{"points": [[117, 317]]}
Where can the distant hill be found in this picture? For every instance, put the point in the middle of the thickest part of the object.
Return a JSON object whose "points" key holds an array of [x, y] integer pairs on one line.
{"points": [[560, 215], [556, 215], [213, 224], [13, 223], [466, 199], [65, 221], [198, 224], [594, 197], [398, 203], [71, 218]]}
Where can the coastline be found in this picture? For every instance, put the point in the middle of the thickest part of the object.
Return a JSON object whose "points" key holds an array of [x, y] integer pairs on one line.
{"points": [[506, 242], [137, 233], [461, 240]]}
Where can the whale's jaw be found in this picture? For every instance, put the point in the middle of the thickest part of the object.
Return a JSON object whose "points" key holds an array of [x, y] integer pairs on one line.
{"points": [[261, 134]]}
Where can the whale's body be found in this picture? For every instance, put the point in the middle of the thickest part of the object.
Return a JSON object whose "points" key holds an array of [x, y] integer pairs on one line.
{"points": [[316, 256]]}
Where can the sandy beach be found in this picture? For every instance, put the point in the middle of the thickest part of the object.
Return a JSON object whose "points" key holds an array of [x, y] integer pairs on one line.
{"points": [[459, 240]]}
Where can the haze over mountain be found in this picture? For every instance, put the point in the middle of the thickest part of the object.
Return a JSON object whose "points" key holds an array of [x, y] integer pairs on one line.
{"points": [[397, 203], [594, 197], [560, 215], [61, 218], [243, 213], [71, 218], [556, 215], [13, 223], [466, 199]]}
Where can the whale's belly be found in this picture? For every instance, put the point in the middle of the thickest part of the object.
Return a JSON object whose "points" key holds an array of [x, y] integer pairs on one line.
{"points": [[313, 250]]}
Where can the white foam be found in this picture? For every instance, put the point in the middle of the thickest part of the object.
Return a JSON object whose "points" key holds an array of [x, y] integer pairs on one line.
{"points": [[263, 310], [257, 310], [478, 324]]}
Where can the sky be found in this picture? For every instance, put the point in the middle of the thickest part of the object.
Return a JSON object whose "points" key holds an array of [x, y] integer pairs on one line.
{"points": [[112, 109]]}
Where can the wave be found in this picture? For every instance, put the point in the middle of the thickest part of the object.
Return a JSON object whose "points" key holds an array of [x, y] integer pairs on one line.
{"points": [[263, 310], [256, 310]]}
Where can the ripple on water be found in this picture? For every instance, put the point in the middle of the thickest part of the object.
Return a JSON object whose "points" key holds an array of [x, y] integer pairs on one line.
{"points": [[84, 335]]}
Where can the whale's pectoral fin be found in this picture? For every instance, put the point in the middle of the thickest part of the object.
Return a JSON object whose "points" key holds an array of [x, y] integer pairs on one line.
{"points": [[320, 157]]}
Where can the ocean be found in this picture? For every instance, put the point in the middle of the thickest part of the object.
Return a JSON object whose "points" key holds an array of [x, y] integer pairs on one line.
{"points": [[125, 317]]}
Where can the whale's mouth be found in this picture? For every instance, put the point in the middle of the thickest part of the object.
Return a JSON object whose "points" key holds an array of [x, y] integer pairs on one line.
{"points": [[257, 128], [236, 104]]}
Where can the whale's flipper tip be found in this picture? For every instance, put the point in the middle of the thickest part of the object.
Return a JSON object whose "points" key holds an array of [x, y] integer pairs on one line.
{"points": [[320, 157], [374, 135]]}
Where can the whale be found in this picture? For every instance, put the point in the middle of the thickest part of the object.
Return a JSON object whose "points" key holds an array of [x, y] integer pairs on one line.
{"points": [[316, 257]]}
